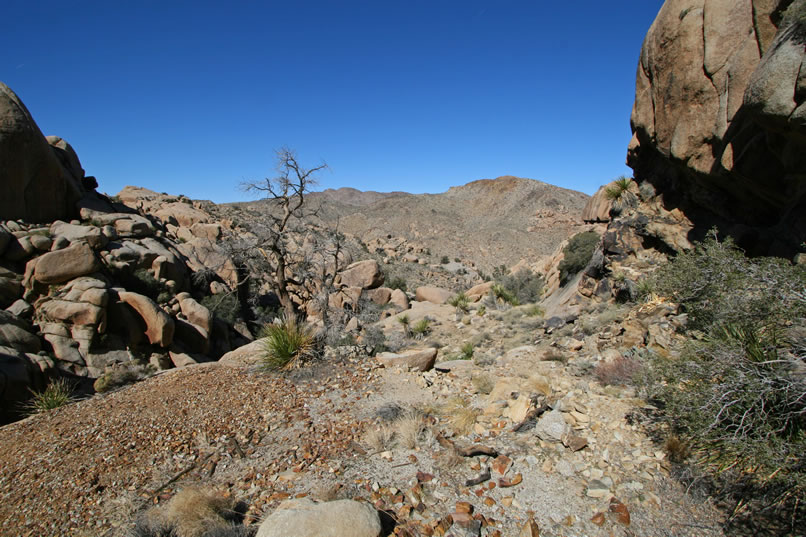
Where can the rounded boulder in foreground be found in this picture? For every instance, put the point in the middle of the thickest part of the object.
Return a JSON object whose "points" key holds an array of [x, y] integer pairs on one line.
{"points": [[304, 518]]}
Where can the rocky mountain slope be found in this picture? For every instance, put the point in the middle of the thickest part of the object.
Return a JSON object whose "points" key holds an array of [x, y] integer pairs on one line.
{"points": [[489, 222]]}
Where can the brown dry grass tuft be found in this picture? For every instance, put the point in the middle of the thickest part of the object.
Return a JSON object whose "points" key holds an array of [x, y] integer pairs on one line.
{"points": [[409, 429], [618, 372], [483, 383], [195, 511], [677, 448], [460, 414], [380, 438]]}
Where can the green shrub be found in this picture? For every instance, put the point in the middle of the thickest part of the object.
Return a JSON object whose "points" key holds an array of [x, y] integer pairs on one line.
{"points": [[524, 285], [503, 294], [460, 302], [466, 351], [396, 283], [577, 254], [57, 393], [534, 310], [121, 375], [716, 284], [375, 339], [481, 311], [225, 306], [444, 260], [732, 395], [421, 328], [405, 322], [618, 189], [287, 343]]}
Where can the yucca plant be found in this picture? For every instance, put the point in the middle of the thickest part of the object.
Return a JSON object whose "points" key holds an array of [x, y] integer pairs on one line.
{"points": [[405, 322], [466, 351], [619, 193], [287, 342], [421, 328], [57, 393], [460, 302]]}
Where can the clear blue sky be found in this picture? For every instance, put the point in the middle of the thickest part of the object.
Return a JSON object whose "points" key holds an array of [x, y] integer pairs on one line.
{"points": [[193, 97]]}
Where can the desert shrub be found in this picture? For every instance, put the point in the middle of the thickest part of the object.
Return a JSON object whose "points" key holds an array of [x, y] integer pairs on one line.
{"points": [[57, 393], [577, 254], [619, 372], [121, 375], [466, 351], [716, 284], [732, 395], [555, 355], [375, 339], [194, 512], [405, 322], [524, 285], [483, 383], [502, 294], [421, 328], [533, 310], [396, 283], [460, 302], [460, 415], [444, 260], [287, 342], [225, 306], [481, 311]]}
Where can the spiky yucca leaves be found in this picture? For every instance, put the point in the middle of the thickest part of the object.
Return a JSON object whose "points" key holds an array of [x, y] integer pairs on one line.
{"points": [[287, 343], [57, 393]]}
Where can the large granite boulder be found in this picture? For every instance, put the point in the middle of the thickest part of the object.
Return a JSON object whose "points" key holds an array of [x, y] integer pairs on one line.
{"points": [[719, 118], [364, 274], [304, 518], [34, 186], [64, 265]]}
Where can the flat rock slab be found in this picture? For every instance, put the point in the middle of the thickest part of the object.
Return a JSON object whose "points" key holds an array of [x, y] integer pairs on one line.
{"points": [[413, 360]]}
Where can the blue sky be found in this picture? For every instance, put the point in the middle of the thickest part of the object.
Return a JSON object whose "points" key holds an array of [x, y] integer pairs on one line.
{"points": [[193, 98]]}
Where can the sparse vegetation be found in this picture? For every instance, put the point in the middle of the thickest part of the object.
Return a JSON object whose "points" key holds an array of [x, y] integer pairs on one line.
{"points": [[405, 322], [57, 393], [194, 512], [618, 189], [444, 260], [460, 414], [577, 254], [502, 294], [224, 306], [466, 351], [525, 286], [732, 395], [121, 375], [287, 343], [460, 302], [396, 283], [483, 383], [619, 372], [421, 328]]}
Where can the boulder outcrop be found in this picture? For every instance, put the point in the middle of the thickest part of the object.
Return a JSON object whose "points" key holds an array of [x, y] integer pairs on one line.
{"points": [[34, 185], [718, 120]]}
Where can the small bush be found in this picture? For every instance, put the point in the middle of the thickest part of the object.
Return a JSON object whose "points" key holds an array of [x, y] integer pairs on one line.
{"points": [[287, 343], [224, 306], [421, 328], [460, 302], [405, 322], [466, 351], [577, 254], [375, 339], [57, 393], [483, 383], [396, 283], [534, 310], [121, 375], [444, 260], [555, 355], [461, 416], [481, 311], [619, 372], [524, 285], [502, 294], [732, 395]]}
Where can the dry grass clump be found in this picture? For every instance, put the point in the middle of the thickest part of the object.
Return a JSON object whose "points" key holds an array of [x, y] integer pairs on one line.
{"points": [[409, 429], [618, 372], [483, 383], [678, 449], [194, 512], [379, 438], [461, 416]]}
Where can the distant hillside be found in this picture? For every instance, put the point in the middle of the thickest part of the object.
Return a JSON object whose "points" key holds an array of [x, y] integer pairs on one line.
{"points": [[489, 221]]}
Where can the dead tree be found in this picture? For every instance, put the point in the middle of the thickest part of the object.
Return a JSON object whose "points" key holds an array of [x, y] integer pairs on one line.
{"points": [[286, 194]]}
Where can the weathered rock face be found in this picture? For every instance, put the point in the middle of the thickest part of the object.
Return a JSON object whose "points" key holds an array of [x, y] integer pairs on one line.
{"points": [[34, 185], [718, 119]]}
